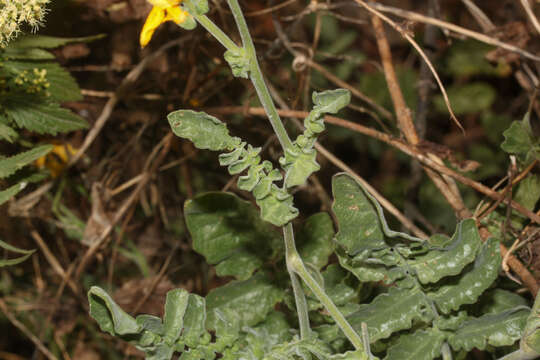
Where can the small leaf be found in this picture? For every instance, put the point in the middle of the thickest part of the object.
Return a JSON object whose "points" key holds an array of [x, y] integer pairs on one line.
{"points": [[391, 312], [239, 62], [7, 133], [315, 240], [242, 303], [41, 117], [205, 131], [516, 139], [199, 7], [9, 165], [277, 207], [11, 262], [189, 23], [299, 165], [466, 288], [331, 101], [449, 261], [173, 319], [500, 329], [420, 345], [194, 320], [228, 231], [50, 42], [528, 191], [109, 316]]}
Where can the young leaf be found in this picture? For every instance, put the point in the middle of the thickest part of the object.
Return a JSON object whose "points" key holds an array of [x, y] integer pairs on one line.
{"points": [[331, 101], [391, 312], [9, 165], [229, 232], [449, 261], [41, 117], [242, 303], [205, 131], [518, 137], [109, 316], [10, 262], [194, 321], [173, 319], [420, 345], [494, 329], [466, 288]]}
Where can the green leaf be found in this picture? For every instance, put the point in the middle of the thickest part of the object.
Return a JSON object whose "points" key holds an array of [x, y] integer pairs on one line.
{"points": [[358, 221], [199, 7], [62, 86], [49, 42], [189, 23], [420, 345], [11, 191], [12, 53], [531, 335], [462, 250], [500, 329], [468, 57], [109, 316], [242, 303], [173, 319], [315, 240], [239, 61], [391, 312], [228, 231], [299, 165], [7, 133], [277, 207], [528, 191], [205, 131], [331, 101], [499, 300], [10, 262], [517, 139], [9, 165], [467, 99], [194, 321], [42, 117], [466, 288]]}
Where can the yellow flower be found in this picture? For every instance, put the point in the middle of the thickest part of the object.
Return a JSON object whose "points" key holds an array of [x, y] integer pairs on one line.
{"points": [[57, 159], [163, 11]]}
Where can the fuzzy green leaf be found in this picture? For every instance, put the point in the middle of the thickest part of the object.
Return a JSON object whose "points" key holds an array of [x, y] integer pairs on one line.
{"points": [[49, 42], [9, 165], [11, 262], [500, 329], [420, 345], [194, 320], [239, 61], [315, 240], [517, 139], [391, 312], [41, 117], [199, 7], [331, 101], [466, 288], [109, 316], [205, 131], [498, 300], [173, 319], [277, 208], [299, 166], [228, 231], [242, 303], [453, 258], [358, 221]]}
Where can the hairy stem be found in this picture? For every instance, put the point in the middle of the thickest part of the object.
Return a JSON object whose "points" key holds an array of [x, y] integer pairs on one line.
{"points": [[257, 78], [215, 31], [299, 296], [295, 263]]}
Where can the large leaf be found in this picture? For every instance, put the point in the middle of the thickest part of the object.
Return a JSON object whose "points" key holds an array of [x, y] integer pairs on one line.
{"points": [[462, 250], [242, 303], [42, 117], [229, 232], [109, 316], [15, 261], [391, 312], [205, 131], [466, 288], [420, 345], [315, 240], [500, 329], [498, 300], [62, 86], [9, 165]]}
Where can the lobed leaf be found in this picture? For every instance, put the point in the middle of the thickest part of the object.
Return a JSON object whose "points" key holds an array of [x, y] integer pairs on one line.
{"points": [[391, 312], [229, 232], [109, 316], [451, 260], [242, 303], [500, 329], [420, 345], [467, 288], [498, 300], [299, 165], [205, 131], [10, 165], [331, 101]]}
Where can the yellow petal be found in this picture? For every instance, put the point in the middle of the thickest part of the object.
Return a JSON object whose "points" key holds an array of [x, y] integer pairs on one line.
{"points": [[176, 14], [154, 19], [164, 3]]}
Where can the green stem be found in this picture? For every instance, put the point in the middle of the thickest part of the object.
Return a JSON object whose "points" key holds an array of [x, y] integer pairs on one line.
{"points": [[295, 263], [446, 352], [257, 77], [299, 296], [215, 31]]}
